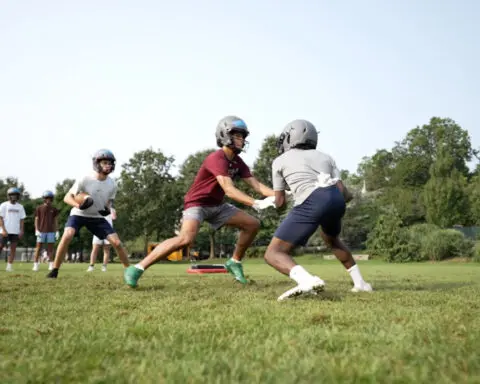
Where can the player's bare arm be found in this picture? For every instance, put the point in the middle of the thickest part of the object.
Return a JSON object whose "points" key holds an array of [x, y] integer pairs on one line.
{"points": [[347, 195], [259, 187], [35, 223], [2, 225], [233, 192], [280, 199], [70, 200], [22, 223]]}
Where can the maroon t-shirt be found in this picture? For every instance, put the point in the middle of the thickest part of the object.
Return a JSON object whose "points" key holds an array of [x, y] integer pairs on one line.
{"points": [[46, 218], [205, 190]]}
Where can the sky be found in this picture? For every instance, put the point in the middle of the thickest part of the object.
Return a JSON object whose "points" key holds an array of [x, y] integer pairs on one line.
{"points": [[76, 76]]}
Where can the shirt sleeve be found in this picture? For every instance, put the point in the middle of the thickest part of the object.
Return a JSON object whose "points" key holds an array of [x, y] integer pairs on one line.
{"points": [[114, 191], [278, 181], [76, 187], [23, 215], [335, 171]]}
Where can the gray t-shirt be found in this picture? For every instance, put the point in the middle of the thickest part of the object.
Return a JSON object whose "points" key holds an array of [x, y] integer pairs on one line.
{"points": [[303, 171], [101, 191]]}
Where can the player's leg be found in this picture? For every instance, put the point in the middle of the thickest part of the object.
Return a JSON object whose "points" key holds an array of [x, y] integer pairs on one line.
{"points": [[295, 230], [192, 219], [73, 225], [329, 235], [106, 255], [96, 246], [38, 248], [13, 250], [248, 225], [50, 255]]}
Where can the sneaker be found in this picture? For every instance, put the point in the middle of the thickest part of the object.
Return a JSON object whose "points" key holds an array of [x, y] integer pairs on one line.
{"points": [[53, 274], [90, 268], [35, 267], [104, 268], [9, 268], [236, 269], [364, 287], [131, 276], [312, 287]]}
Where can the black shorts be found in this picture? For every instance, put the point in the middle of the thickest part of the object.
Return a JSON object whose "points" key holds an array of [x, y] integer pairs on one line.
{"points": [[10, 238], [324, 208], [97, 226]]}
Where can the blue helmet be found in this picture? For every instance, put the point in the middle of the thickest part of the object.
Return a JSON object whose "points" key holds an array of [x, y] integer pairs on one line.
{"points": [[226, 127], [13, 193], [47, 195], [103, 154]]}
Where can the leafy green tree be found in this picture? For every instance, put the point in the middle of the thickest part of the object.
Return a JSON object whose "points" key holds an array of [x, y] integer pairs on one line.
{"points": [[445, 195], [148, 196]]}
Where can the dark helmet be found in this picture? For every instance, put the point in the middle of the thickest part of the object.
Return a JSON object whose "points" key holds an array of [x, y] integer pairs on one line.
{"points": [[103, 154]]}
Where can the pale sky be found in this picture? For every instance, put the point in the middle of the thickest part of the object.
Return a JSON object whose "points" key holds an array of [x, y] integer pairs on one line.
{"points": [[76, 76]]}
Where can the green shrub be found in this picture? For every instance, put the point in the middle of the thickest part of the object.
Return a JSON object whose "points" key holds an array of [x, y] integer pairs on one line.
{"points": [[445, 244]]}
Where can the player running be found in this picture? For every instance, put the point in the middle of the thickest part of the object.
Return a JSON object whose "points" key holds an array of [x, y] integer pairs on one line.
{"points": [[101, 189]]}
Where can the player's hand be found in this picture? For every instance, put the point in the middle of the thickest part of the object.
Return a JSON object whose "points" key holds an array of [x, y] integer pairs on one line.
{"points": [[37, 233], [57, 235], [259, 205], [105, 212], [87, 203], [4, 233], [20, 235]]}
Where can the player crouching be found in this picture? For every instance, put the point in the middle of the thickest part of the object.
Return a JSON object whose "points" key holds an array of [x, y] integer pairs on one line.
{"points": [[319, 201]]}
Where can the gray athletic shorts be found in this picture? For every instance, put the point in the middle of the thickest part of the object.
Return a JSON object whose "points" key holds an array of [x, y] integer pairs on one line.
{"points": [[215, 216]]}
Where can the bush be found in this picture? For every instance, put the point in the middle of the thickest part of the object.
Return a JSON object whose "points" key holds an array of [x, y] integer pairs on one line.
{"points": [[256, 252], [446, 244], [419, 242]]}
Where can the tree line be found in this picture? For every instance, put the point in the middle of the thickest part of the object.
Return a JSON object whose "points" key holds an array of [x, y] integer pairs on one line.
{"points": [[423, 181]]}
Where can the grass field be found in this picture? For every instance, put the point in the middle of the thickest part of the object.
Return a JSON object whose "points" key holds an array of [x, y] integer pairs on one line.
{"points": [[422, 325]]}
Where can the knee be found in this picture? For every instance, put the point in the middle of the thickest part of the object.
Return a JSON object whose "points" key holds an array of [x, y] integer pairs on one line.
{"points": [[68, 234], [252, 225], [114, 242], [184, 240]]}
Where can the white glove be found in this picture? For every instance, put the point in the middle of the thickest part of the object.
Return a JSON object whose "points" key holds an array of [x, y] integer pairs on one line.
{"points": [[288, 193], [325, 180], [269, 201], [37, 233], [57, 235], [113, 213]]}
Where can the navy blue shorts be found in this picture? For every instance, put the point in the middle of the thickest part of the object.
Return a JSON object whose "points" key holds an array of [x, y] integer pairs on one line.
{"points": [[324, 208], [96, 225]]}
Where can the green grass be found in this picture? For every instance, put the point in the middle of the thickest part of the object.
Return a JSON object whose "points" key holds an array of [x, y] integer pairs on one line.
{"points": [[421, 325]]}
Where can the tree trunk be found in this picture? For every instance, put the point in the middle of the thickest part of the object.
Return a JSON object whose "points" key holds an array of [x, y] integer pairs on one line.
{"points": [[211, 235], [145, 244]]}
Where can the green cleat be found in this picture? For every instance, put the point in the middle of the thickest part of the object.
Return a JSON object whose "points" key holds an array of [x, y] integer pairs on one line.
{"points": [[131, 276], [236, 269]]}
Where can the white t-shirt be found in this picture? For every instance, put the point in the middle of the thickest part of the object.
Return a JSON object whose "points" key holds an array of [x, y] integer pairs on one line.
{"points": [[101, 191], [12, 214]]}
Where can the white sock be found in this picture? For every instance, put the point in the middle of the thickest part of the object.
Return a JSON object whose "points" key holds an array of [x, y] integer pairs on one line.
{"points": [[236, 261], [9, 265], [138, 266], [35, 264], [355, 275], [300, 274]]}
